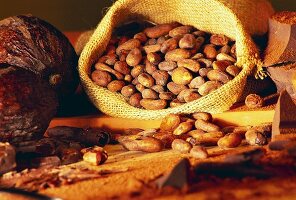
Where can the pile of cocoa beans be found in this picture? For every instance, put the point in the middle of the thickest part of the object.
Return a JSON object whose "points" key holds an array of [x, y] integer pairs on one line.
{"points": [[166, 65], [192, 133]]}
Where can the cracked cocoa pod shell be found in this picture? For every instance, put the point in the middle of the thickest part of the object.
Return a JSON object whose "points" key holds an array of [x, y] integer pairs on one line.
{"points": [[35, 45], [27, 104]]}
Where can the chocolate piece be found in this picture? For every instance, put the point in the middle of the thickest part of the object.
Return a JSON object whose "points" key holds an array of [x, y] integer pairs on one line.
{"points": [[278, 145], [178, 177], [245, 156], [281, 41], [283, 75], [284, 121]]}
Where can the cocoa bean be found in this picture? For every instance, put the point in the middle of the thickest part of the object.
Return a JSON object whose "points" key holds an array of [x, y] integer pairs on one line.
{"points": [[188, 41], [146, 80], [134, 57], [115, 86], [177, 54], [181, 146], [128, 45], [190, 64], [198, 152], [151, 104], [208, 87], [101, 78], [181, 76], [206, 126], [149, 94], [159, 30], [181, 30]]}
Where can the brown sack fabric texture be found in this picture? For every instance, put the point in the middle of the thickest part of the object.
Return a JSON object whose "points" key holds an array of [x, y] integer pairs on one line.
{"points": [[214, 16]]}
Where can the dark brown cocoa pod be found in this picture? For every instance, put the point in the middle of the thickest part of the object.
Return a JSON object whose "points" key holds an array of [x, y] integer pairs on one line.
{"points": [[27, 104], [35, 45]]}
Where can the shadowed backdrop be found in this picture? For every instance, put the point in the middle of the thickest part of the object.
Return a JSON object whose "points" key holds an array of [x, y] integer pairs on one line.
{"points": [[70, 15]]}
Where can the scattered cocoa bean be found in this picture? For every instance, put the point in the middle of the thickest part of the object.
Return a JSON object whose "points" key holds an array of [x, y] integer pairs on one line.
{"points": [[255, 137], [203, 115], [206, 126], [254, 101], [230, 140], [183, 128], [181, 146], [198, 152]]}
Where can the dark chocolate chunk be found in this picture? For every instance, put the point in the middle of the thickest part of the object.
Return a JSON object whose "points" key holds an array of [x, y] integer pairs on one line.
{"points": [[284, 121], [177, 178]]}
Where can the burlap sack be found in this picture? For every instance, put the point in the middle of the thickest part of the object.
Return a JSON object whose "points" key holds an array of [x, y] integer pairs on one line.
{"points": [[215, 16]]}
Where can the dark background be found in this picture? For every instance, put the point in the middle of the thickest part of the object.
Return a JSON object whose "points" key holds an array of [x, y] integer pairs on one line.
{"points": [[75, 15]]}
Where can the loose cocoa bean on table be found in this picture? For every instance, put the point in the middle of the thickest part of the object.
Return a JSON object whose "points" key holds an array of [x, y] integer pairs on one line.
{"points": [[154, 67]]}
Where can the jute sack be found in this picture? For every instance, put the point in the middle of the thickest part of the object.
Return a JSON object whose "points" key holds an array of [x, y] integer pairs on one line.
{"points": [[214, 16]]}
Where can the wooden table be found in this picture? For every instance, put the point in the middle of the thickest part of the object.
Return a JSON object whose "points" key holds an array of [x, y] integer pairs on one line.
{"points": [[143, 167]]}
